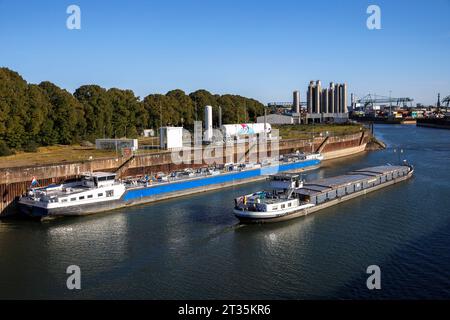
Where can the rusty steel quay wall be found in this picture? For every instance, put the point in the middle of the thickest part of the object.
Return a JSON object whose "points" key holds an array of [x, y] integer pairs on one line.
{"points": [[14, 181]]}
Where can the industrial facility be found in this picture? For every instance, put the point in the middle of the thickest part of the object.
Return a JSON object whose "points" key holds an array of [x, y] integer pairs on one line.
{"points": [[172, 138], [326, 104], [322, 105]]}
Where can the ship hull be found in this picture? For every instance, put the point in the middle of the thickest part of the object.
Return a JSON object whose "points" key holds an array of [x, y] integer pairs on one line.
{"points": [[244, 219], [163, 191], [79, 210]]}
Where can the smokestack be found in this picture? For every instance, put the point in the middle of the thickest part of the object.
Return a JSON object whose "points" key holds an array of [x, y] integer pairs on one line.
{"points": [[296, 102]]}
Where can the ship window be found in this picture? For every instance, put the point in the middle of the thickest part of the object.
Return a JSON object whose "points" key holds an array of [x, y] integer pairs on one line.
{"points": [[100, 195], [89, 196], [275, 208], [63, 200], [81, 198], [283, 206], [289, 204], [73, 199], [109, 193]]}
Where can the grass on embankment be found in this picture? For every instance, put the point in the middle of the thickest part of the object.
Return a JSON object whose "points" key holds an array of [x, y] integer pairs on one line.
{"points": [[303, 131], [54, 154]]}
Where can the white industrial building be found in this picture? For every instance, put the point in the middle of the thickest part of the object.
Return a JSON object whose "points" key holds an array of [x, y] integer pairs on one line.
{"points": [[276, 119], [171, 137]]}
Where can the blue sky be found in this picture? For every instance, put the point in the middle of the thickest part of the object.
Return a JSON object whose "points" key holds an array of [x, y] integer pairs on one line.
{"points": [[260, 49]]}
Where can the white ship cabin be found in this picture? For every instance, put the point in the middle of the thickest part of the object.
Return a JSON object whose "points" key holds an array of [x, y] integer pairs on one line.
{"points": [[98, 179], [95, 186], [285, 181], [279, 200]]}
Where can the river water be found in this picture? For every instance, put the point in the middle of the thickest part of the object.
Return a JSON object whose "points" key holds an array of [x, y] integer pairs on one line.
{"points": [[192, 247]]}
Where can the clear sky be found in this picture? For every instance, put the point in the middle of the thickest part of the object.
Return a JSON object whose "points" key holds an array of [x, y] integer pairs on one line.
{"points": [[255, 48]]}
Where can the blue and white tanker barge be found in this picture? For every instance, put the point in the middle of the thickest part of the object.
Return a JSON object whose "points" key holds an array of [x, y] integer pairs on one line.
{"points": [[102, 191]]}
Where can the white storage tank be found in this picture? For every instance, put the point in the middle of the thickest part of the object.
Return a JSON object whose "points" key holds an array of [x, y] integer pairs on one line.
{"points": [[208, 134], [236, 130]]}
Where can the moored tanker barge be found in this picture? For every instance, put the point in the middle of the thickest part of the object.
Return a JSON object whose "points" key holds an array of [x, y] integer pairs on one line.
{"points": [[291, 197]]}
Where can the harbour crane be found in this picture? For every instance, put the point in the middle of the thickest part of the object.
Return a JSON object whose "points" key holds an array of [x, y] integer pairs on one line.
{"points": [[372, 99], [446, 101]]}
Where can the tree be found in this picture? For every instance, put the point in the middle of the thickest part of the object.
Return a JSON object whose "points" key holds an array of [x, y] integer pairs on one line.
{"points": [[13, 108], [97, 109], [63, 118], [183, 105], [126, 107], [33, 115]]}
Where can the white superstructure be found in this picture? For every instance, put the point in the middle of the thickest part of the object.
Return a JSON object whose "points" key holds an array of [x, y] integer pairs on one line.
{"points": [[272, 204], [92, 189]]}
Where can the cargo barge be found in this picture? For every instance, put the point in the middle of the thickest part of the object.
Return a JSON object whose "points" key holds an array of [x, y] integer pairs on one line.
{"points": [[291, 197], [439, 123], [102, 191]]}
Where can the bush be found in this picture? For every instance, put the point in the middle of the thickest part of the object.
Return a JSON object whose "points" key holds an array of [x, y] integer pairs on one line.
{"points": [[86, 143], [30, 146], [5, 150]]}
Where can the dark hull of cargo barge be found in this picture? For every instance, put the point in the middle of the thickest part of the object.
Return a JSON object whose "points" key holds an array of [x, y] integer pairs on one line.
{"points": [[80, 210], [327, 204]]}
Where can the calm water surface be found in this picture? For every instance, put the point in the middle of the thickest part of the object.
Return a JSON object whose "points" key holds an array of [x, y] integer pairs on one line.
{"points": [[192, 248]]}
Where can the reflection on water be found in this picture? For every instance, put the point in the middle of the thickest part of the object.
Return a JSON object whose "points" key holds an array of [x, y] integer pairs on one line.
{"points": [[193, 248]]}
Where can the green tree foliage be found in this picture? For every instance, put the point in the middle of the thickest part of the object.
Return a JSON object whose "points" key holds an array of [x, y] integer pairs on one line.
{"points": [[34, 115], [64, 118], [98, 111], [126, 108], [13, 108], [4, 149]]}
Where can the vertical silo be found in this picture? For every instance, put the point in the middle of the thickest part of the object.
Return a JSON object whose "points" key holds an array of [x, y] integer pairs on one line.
{"points": [[296, 102], [310, 97], [318, 93], [337, 99], [344, 98], [208, 124], [331, 98], [324, 101]]}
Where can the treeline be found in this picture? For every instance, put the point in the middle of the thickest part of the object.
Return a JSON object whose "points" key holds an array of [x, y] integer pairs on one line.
{"points": [[40, 115]]}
